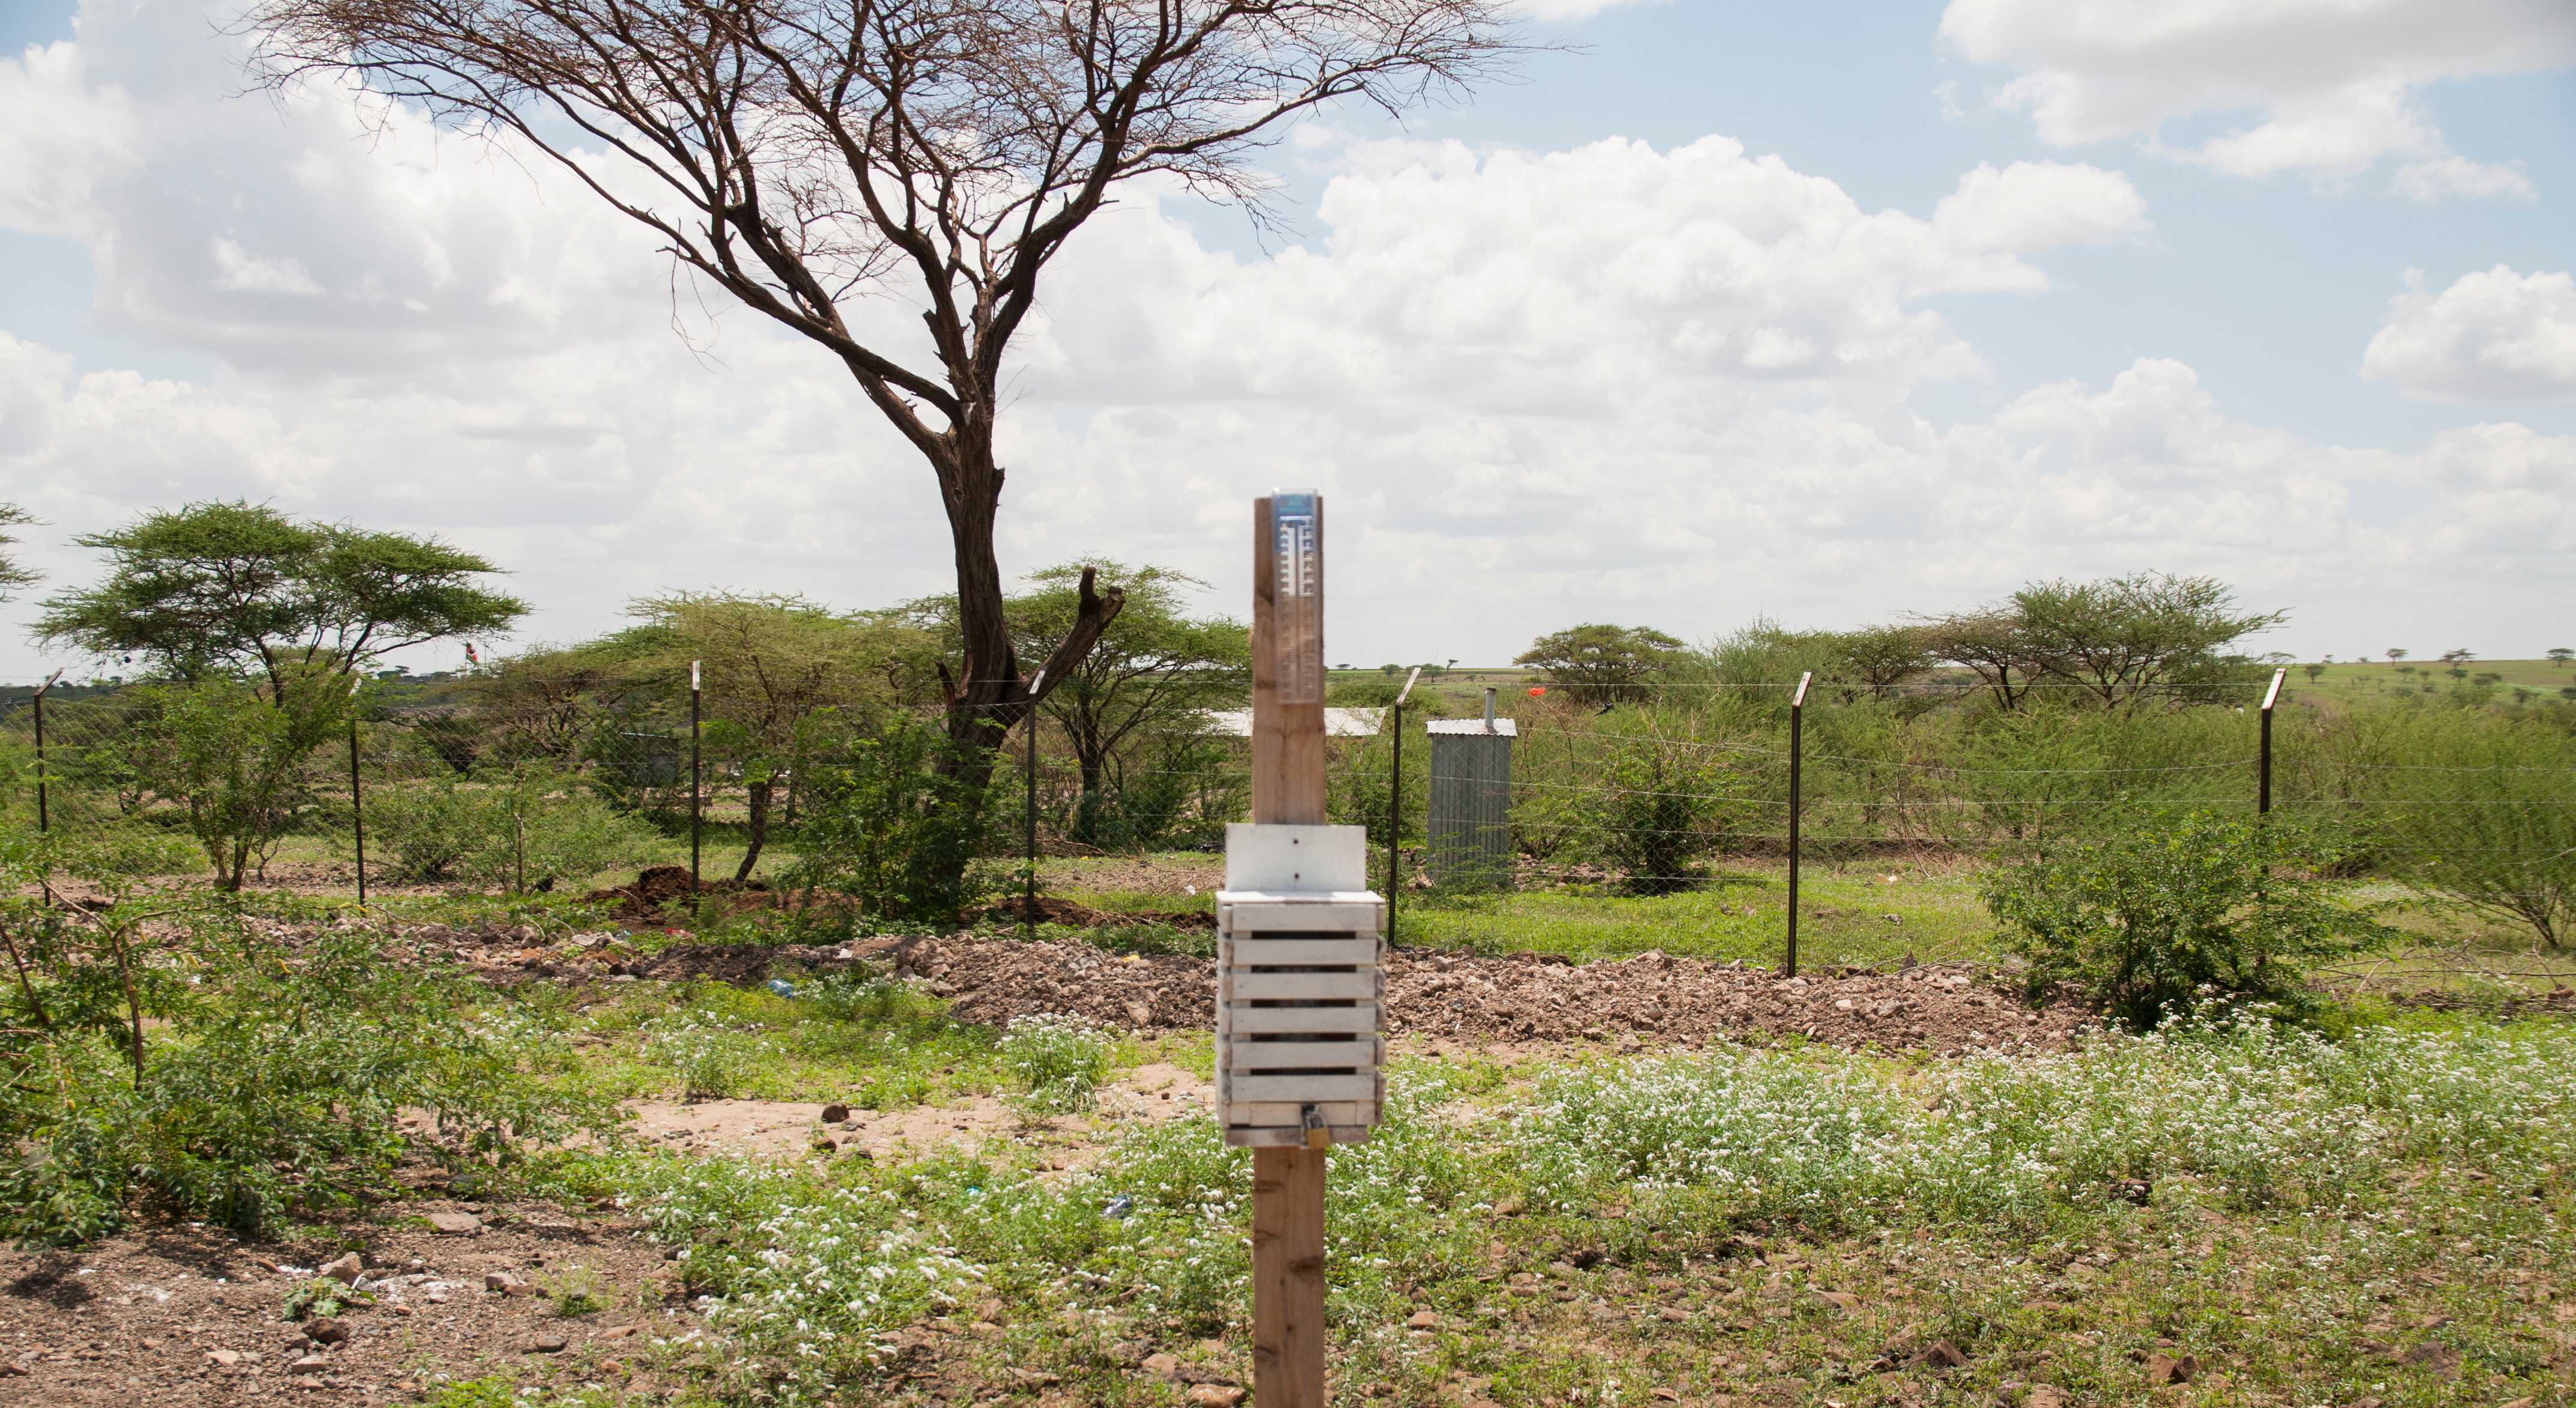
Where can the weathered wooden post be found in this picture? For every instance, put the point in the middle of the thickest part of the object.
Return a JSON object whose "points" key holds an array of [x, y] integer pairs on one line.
{"points": [[1299, 943]]}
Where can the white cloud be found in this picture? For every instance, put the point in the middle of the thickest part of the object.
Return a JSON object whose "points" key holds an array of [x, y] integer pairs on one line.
{"points": [[1617, 382], [2492, 336], [2430, 181], [2333, 87], [2033, 205], [243, 272]]}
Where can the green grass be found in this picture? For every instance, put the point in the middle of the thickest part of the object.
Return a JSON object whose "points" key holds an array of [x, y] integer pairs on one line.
{"points": [[2355, 680], [2390, 1216], [1741, 913], [878, 1046]]}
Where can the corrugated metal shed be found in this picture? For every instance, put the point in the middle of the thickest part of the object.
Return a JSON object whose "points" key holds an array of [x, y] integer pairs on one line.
{"points": [[1470, 819]]}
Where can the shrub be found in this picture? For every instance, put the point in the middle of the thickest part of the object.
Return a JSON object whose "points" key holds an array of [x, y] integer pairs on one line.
{"points": [[512, 831], [2153, 920], [272, 1089], [232, 760], [712, 1059], [2478, 812], [1644, 804], [898, 826], [1058, 1061]]}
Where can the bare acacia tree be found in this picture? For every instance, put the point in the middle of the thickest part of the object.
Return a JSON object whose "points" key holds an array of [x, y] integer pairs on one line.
{"points": [[799, 154]]}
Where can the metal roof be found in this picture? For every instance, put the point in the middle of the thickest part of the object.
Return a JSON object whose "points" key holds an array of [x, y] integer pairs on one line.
{"points": [[1338, 723], [1501, 728]]}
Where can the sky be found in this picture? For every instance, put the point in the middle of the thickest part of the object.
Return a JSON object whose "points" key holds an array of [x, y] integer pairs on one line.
{"points": [[1825, 314]]}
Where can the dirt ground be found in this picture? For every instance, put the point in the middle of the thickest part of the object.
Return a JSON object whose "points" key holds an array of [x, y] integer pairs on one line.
{"points": [[173, 1315], [1522, 997], [1651, 997], [780, 1128]]}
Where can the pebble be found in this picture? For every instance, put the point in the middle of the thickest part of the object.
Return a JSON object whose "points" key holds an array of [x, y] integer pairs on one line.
{"points": [[546, 1342], [455, 1224], [505, 1283], [1214, 1396], [344, 1269]]}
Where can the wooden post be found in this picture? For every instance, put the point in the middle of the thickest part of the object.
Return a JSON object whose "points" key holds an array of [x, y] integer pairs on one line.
{"points": [[1797, 721], [1288, 788]]}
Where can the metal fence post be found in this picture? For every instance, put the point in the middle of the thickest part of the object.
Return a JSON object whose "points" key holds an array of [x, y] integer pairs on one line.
{"points": [[357, 803], [2263, 753], [697, 784], [1395, 802], [1797, 729], [1029, 816], [43, 820]]}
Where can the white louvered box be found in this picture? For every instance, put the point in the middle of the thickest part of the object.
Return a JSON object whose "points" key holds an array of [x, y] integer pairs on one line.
{"points": [[1299, 987]]}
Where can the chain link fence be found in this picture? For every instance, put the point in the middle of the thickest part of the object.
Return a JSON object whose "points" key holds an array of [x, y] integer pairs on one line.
{"points": [[1663, 813]]}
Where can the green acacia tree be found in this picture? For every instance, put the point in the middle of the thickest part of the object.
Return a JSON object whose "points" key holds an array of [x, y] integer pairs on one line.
{"points": [[1143, 688], [784, 677], [220, 589], [1604, 663], [1139, 695], [12, 575]]}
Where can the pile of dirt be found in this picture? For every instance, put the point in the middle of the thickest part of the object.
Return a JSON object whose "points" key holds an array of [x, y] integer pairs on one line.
{"points": [[641, 902], [1523, 997], [173, 1315], [1075, 915]]}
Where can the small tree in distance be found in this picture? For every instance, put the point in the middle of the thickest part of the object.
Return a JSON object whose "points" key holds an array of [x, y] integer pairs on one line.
{"points": [[2562, 654], [2395, 654], [1605, 664], [217, 589]]}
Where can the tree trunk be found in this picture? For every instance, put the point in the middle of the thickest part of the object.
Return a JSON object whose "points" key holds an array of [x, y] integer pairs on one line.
{"points": [[759, 830], [990, 696], [1087, 812]]}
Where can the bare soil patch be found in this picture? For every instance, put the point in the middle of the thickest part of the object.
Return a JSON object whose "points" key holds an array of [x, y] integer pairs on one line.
{"points": [[782, 1128], [1949, 1008], [1523, 997], [172, 1314]]}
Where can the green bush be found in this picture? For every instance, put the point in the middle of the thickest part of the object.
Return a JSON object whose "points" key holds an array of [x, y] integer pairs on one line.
{"points": [[269, 1089], [2156, 920], [1648, 803], [517, 832], [1059, 1062], [231, 758], [898, 827]]}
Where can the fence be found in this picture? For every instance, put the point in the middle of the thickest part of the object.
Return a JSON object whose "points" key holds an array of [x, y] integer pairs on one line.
{"points": [[1742, 819], [2463, 818]]}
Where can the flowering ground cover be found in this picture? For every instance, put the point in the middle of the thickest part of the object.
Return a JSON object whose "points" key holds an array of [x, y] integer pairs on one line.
{"points": [[2256, 1216]]}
